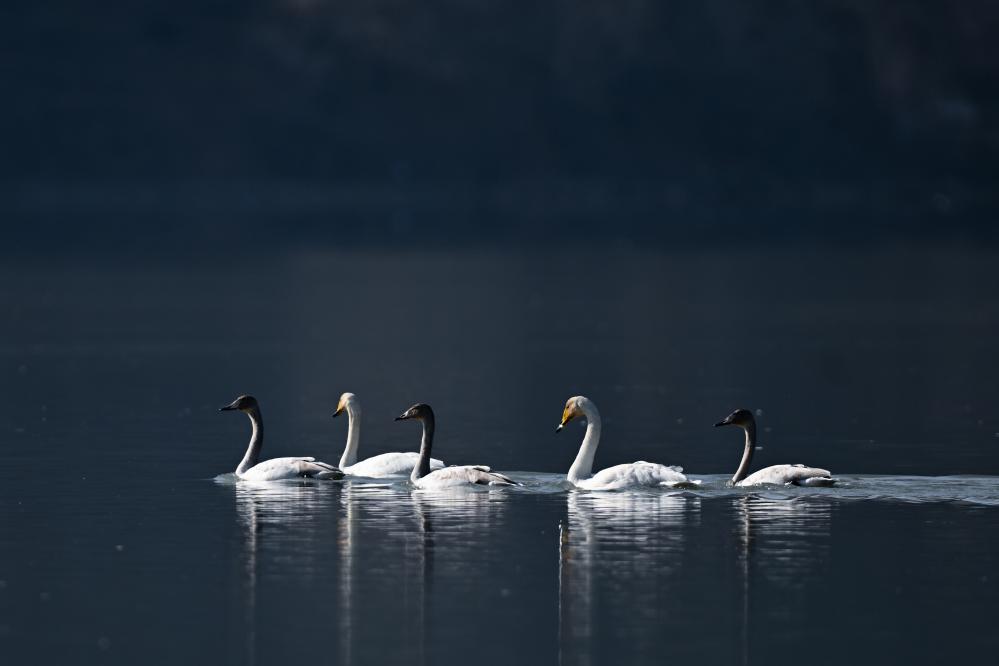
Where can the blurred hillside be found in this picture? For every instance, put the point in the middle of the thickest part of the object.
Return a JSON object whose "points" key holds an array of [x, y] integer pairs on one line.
{"points": [[839, 115]]}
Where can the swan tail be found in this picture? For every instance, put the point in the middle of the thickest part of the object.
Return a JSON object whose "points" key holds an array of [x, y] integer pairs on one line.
{"points": [[314, 469], [689, 484], [333, 475], [495, 478], [818, 481], [501, 480], [488, 477]]}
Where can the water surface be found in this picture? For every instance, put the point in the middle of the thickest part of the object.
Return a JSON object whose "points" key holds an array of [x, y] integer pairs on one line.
{"points": [[119, 543]]}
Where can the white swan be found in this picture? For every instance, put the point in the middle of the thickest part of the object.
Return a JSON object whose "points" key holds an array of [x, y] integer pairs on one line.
{"points": [[639, 473], [779, 475], [275, 469], [384, 464], [448, 477]]}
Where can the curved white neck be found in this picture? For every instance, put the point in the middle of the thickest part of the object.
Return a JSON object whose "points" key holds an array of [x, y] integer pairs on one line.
{"points": [[349, 456], [256, 442], [582, 466]]}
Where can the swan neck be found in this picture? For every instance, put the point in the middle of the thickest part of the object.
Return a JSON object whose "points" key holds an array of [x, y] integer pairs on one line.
{"points": [[349, 456], [582, 466], [747, 454], [256, 441], [423, 464]]}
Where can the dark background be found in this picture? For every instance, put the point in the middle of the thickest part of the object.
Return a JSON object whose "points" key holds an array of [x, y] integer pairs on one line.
{"points": [[208, 126], [674, 209]]}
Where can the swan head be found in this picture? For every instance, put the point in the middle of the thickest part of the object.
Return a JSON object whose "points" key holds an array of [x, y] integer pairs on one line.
{"points": [[419, 411], [740, 417], [576, 406], [346, 400], [244, 403]]}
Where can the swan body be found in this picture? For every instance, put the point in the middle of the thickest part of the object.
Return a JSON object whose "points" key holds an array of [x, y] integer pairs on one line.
{"points": [[788, 475], [388, 464], [382, 465], [447, 477], [463, 475], [291, 467], [275, 469], [778, 475], [628, 475]]}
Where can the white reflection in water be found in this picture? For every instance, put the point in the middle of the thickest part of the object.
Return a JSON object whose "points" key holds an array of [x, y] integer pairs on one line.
{"points": [[261, 508], [625, 540], [786, 541], [346, 536], [398, 578], [293, 512]]}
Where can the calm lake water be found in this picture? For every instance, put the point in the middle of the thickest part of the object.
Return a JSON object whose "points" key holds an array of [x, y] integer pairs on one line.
{"points": [[123, 539]]}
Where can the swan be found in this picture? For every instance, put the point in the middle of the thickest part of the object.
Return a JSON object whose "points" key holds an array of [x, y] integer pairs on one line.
{"points": [[276, 468], [780, 475], [384, 464], [447, 477], [639, 473]]}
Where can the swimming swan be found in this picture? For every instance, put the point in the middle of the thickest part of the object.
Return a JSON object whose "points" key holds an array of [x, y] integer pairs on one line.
{"points": [[639, 473], [275, 468], [781, 475], [384, 464], [448, 477]]}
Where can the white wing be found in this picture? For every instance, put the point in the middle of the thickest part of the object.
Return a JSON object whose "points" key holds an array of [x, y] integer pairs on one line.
{"points": [[782, 475], [636, 474], [461, 475], [389, 464], [292, 467]]}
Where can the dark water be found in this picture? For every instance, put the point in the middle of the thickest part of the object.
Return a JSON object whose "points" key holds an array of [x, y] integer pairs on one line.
{"points": [[118, 543]]}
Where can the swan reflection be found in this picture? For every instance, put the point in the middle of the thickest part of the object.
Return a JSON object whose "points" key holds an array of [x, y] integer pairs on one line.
{"points": [[633, 542], [783, 543], [260, 508], [387, 545], [783, 538]]}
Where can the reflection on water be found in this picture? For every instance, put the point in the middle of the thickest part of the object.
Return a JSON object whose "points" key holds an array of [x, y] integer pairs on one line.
{"points": [[265, 511], [784, 540], [720, 572], [388, 542], [635, 571], [284, 515], [346, 536], [374, 521], [628, 541], [379, 573]]}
